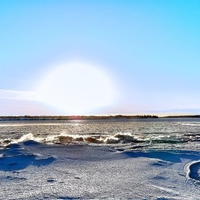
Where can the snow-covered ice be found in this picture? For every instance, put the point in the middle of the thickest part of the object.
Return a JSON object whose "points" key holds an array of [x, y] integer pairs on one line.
{"points": [[31, 170]]}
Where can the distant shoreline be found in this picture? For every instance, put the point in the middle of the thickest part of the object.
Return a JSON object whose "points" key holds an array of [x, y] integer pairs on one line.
{"points": [[91, 117]]}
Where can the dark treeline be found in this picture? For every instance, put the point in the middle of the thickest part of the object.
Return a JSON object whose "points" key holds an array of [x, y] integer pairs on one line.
{"points": [[183, 116], [90, 117], [75, 117]]}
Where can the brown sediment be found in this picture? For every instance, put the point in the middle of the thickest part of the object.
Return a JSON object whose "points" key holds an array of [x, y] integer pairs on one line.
{"points": [[79, 139], [93, 140], [65, 139], [69, 139], [7, 141]]}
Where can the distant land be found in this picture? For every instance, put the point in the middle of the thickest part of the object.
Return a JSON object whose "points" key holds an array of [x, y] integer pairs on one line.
{"points": [[90, 117], [76, 117]]}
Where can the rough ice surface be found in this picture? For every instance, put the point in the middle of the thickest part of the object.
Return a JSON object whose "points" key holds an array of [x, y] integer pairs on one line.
{"points": [[31, 170]]}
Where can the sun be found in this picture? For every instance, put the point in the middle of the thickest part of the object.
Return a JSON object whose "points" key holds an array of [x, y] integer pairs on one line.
{"points": [[76, 88]]}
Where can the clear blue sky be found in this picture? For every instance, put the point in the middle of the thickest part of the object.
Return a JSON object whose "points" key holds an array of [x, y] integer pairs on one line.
{"points": [[148, 49]]}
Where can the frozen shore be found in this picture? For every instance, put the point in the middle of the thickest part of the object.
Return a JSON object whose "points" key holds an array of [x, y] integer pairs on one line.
{"points": [[31, 170]]}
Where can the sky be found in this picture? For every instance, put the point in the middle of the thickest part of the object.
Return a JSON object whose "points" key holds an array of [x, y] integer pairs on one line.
{"points": [[61, 57]]}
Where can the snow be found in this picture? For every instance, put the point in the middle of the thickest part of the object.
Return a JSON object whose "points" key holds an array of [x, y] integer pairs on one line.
{"points": [[31, 170]]}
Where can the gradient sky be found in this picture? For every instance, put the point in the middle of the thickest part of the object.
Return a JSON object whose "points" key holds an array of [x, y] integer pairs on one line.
{"points": [[148, 51]]}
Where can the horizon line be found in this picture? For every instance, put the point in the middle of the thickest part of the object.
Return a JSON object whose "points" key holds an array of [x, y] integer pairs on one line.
{"points": [[106, 116]]}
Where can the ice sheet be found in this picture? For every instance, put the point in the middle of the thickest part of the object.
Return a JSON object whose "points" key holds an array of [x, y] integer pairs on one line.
{"points": [[31, 170]]}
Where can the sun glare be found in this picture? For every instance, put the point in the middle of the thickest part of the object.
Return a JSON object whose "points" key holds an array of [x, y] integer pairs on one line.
{"points": [[76, 88]]}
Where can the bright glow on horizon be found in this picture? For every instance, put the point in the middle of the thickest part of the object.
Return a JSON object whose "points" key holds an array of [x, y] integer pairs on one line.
{"points": [[76, 88]]}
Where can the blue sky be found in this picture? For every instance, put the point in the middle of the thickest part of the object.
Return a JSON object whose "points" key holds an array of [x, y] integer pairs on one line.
{"points": [[148, 49]]}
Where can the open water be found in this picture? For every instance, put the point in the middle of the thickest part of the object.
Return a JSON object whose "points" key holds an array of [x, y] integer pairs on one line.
{"points": [[135, 134]]}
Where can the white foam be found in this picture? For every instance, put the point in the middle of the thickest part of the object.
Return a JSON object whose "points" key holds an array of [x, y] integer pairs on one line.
{"points": [[91, 139], [111, 140], [27, 137]]}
